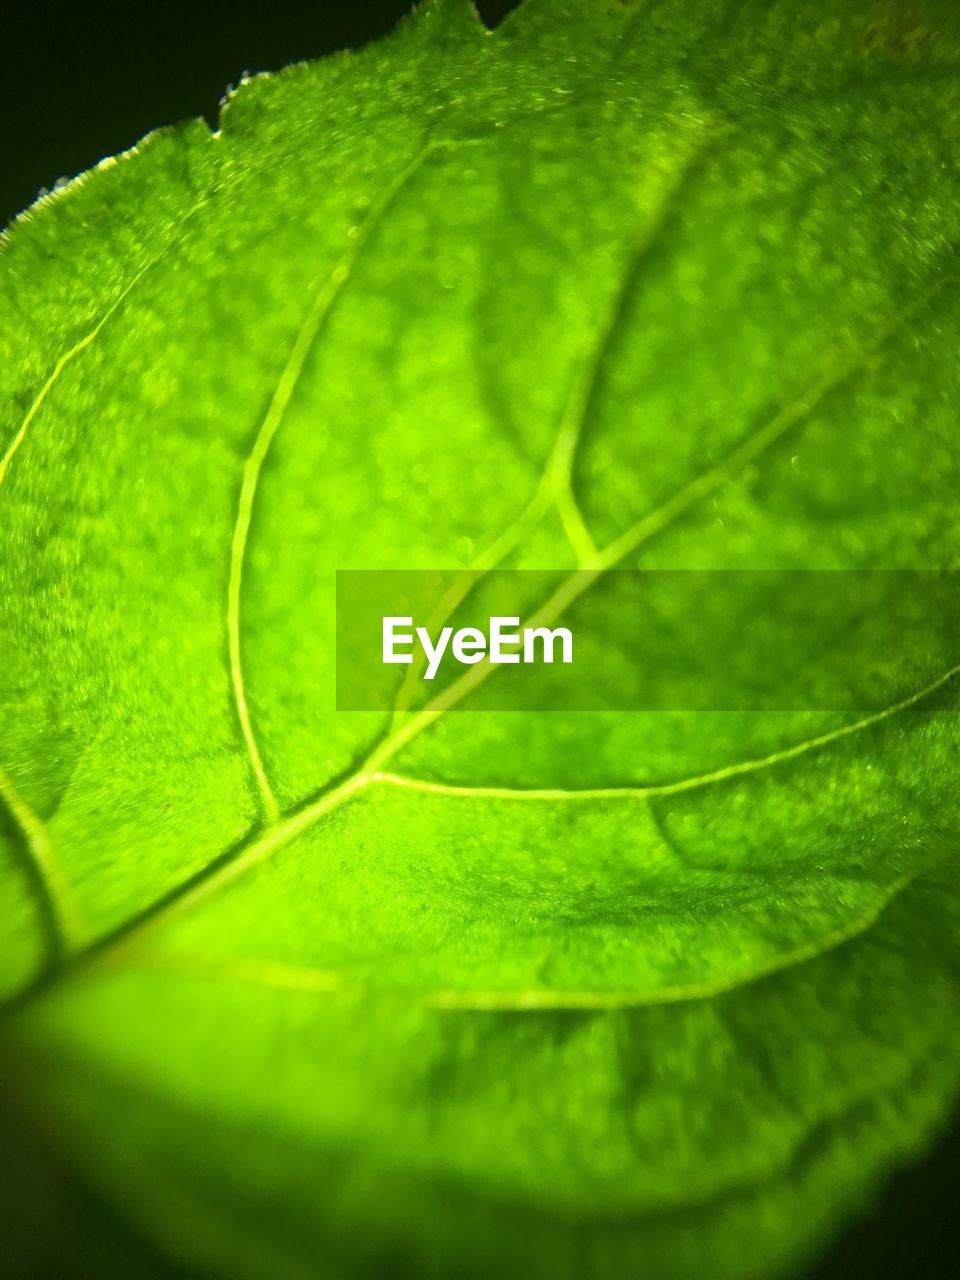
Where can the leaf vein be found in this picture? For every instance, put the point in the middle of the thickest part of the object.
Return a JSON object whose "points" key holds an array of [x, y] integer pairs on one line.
{"points": [[57, 901], [69, 356], [313, 980], [680, 785], [318, 312]]}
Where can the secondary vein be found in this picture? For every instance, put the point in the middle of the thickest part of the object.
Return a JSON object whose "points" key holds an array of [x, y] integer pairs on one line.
{"points": [[555, 484], [653, 790], [67, 922], [654, 524], [326, 293], [583, 395], [69, 356], [317, 981]]}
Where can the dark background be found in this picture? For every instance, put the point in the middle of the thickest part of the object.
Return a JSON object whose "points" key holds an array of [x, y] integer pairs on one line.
{"points": [[86, 83]]}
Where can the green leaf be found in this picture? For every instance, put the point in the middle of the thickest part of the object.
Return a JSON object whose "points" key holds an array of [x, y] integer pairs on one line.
{"points": [[307, 993]]}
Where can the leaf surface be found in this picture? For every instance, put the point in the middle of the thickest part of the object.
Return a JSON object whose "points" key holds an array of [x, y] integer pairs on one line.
{"points": [[309, 993]]}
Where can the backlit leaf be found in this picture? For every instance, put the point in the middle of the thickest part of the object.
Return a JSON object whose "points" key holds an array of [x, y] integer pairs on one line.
{"points": [[314, 993]]}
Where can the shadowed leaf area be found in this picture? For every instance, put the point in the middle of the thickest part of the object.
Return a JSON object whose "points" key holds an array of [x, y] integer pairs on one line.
{"points": [[432, 992]]}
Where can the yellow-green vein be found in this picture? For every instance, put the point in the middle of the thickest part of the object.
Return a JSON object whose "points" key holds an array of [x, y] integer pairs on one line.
{"points": [[66, 917], [310, 980], [325, 294], [653, 790]]}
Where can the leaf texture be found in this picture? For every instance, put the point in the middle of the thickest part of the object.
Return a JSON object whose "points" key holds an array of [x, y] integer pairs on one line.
{"points": [[310, 993]]}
